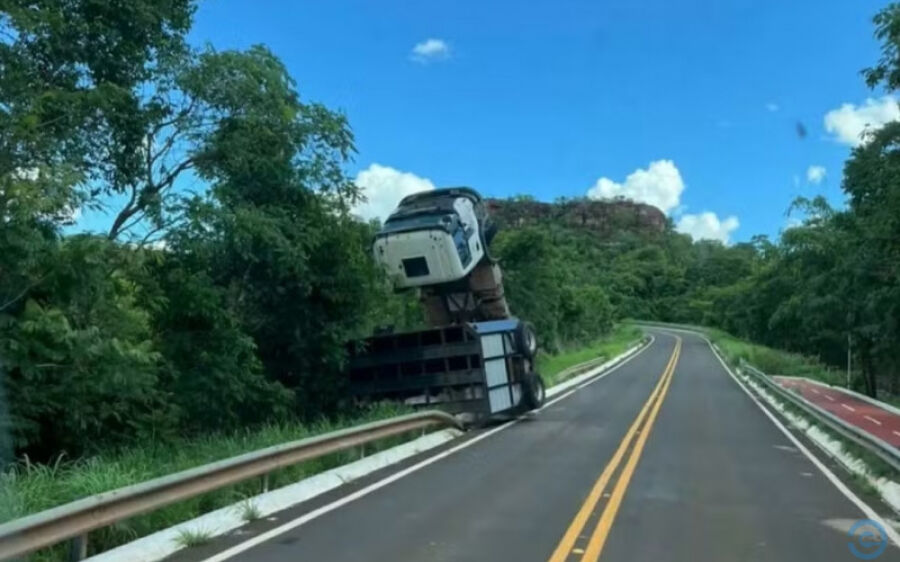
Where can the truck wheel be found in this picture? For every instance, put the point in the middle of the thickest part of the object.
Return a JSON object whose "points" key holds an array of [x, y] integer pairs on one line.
{"points": [[533, 391], [527, 339]]}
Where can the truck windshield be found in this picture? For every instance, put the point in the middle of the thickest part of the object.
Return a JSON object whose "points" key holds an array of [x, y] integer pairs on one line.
{"points": [[420, 222]]}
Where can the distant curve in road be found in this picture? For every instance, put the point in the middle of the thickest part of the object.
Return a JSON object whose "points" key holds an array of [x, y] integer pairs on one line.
{"points": [[664, 459]]}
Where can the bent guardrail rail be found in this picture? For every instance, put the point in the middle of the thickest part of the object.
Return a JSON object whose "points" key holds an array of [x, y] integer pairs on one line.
{"points": [[884, 451], [76, 519]]}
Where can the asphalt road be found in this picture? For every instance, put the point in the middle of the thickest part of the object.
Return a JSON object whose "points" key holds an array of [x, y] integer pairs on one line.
{"points": [[664, 459], [880, 422]]}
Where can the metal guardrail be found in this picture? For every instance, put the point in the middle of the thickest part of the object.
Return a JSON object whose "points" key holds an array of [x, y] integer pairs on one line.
{"points": [[584, 366], [884, 451], [76, 519], [579, 368]]}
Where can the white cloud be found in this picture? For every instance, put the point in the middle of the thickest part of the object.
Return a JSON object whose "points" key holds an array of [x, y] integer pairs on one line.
{"points": [[659, 185], [815, 174], [849, 122], [429, 50], [707, 226], [159, 244], [27, 174], [773, 107], [72, 214], [792, 222], [383, 188]]}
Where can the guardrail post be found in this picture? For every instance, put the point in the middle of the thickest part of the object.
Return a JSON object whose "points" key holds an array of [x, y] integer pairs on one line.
{"points": [[265, 482], [78, 548]]}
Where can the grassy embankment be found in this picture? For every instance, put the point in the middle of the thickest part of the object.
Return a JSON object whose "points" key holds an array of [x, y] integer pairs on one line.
{"points": [[554, 367], [775, 361]]}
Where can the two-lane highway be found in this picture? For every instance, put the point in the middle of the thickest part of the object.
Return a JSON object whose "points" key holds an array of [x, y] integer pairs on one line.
{"points": [[665, 458]]}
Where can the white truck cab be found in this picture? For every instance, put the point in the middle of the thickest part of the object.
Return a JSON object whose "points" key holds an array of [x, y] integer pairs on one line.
{"points": [[433, 237]]}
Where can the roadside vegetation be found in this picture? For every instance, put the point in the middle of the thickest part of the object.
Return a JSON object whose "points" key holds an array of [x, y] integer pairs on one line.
{"points": [[189, 539], [775, 361], [556, 368]]}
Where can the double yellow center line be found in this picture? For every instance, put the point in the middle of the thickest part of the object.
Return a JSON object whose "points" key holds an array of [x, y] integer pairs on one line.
{"points": [[575, 543]]}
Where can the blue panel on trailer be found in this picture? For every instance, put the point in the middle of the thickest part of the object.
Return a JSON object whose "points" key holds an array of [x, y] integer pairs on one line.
{"points": [[494, 326]]}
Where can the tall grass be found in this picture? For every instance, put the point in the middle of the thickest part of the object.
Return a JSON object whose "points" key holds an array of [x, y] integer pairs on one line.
{"points": [[775, 361], [551, 367], [27, 488]]}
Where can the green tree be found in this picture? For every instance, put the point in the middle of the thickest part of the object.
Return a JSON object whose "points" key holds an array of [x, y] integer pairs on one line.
{"points": [[72, 79], [81, 368], [239, 310]]}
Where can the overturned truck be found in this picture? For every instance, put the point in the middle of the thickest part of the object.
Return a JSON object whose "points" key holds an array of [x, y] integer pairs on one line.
{"points": [[474, 359]]}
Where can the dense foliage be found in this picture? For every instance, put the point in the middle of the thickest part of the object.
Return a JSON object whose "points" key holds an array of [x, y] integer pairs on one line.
{"points": [[229, 305], [195, 310]]}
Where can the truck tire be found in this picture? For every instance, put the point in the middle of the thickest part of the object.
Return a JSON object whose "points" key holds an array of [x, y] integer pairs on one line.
{"points": [[533, 392], [526, 339]]}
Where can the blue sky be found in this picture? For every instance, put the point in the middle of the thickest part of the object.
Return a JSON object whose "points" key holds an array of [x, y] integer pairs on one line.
{"points": [[548, 97]]}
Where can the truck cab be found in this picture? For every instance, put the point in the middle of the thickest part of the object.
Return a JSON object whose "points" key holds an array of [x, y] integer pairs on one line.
{"points": [[433, 238]]}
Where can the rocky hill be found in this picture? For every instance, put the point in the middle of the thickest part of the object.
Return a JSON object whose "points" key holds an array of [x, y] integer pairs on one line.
{"points": [[603, 217]]}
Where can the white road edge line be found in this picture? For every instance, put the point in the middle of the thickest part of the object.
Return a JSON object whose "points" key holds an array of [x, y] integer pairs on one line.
{"points": [[307, 517], [848, 493], [873, 420], [851, 408]]}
